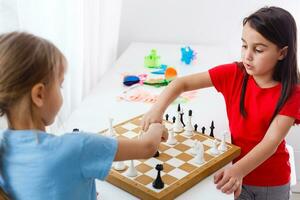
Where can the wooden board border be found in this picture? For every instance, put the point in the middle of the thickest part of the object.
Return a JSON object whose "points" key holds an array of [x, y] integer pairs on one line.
{"points": [[179, 186]]}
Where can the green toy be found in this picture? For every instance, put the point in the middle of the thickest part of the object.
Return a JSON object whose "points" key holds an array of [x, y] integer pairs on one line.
{"points": [[157, 82], [152, 60]]}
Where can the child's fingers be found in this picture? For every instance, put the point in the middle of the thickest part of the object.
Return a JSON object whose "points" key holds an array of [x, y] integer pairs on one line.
{"points": [[145, 125], [229, 185], [218, 176], [237, 192], [235, 186], [222, 182], [142, 125], [165, 134]]}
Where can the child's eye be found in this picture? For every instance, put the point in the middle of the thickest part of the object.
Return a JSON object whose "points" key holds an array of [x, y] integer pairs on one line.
{"points": [[244, 46], [258, 51]]}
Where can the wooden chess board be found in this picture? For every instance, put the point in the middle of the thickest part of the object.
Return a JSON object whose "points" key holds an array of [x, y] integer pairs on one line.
{"points": [[179, 171]]}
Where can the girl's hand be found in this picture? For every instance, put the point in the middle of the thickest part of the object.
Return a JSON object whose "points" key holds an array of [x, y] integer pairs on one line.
{"points": [[229, 180], [152, 116], [157, 129]]}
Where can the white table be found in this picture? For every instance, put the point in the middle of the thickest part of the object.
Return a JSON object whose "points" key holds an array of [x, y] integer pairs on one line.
{"points": [[93, 113]]}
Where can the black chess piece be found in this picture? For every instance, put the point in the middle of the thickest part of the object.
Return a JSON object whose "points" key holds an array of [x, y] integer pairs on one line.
{"points": [[195, 127], [181, 119], [75, 130], [203, 130], [212, 129], [156, 154], [158, 183], [178, 108], [190, 113], [167, 117], [173, 119]]}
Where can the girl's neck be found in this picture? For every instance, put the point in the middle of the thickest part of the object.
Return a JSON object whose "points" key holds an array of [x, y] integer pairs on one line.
{"points": [[265, 81], [16, 124], [21, 117]]}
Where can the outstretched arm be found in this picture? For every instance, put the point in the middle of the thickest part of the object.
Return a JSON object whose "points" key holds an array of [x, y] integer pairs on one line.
{"points": [[230, 180], [174, 89], [142, 148]]}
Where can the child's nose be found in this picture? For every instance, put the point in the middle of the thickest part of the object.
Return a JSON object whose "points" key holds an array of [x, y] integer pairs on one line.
{"points": [[248, 55]]}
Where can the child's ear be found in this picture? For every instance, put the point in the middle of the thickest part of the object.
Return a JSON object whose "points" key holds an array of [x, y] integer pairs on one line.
{"points": [[283, 52], [38, 94]]}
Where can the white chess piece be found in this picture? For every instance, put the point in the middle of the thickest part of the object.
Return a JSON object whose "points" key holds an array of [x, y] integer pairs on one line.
{"points": [[199, 159], [223, 147], [111, 131], [178, 128], [171, 139], [131, 171], [214, 150], [194, 147], [189, 127], [119, 166], [168, 126]]}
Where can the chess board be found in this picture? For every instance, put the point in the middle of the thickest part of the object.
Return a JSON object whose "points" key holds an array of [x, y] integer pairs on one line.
{"points": [[179, 171]]}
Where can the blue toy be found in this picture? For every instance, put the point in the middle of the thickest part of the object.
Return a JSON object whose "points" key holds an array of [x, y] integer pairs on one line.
{"points": [[187, 55], [161, 71], [130, 80]]}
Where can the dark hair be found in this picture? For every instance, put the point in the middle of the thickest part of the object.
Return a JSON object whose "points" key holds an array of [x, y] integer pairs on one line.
{"points": [[278, 26]]}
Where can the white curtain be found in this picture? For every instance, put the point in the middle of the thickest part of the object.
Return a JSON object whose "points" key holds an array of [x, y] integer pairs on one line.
{"points": [[86, 31]]}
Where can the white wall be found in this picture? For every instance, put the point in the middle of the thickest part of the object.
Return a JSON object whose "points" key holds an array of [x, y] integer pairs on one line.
{"points": [[198, 22], [190, 21]]}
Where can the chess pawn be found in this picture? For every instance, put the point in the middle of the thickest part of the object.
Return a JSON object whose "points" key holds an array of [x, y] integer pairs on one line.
{"points": [[171, 139], [75, 130], [214, 150], [223, 147], [131, 171], [111, 131], [158, 182], [167, 117], [119, 166]]}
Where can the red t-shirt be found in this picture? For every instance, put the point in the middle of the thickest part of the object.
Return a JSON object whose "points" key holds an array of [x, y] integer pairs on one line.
{"points": [[260, 104]]}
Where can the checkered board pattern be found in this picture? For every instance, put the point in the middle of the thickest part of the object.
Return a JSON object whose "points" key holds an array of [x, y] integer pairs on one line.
{"points": [[179, 171]]}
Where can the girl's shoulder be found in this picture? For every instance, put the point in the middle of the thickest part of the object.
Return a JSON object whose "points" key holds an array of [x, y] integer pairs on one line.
{"points": [[297, 88], [296, 92], [292, 105]]}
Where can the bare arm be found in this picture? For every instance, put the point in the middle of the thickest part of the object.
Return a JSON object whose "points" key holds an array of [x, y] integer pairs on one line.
{"points": [[267, 147], [180, 85], [230, 180], [144, 147], [174, 89]]}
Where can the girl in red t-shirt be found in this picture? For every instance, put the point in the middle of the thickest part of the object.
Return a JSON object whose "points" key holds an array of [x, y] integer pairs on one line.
{"points": [[262, 96]]}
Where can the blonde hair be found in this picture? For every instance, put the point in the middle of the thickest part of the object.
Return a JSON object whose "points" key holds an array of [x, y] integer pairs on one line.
{"points": [[25, 60]]}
